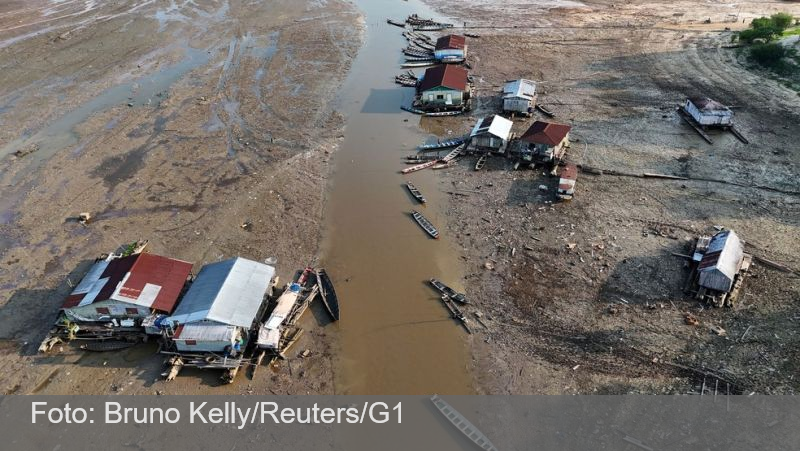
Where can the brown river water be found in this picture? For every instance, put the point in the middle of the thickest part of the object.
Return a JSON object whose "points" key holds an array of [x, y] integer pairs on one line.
{"points": [[396, 337]]}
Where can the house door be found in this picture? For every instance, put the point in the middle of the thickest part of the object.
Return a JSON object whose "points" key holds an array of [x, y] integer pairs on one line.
{"points": [[449, 99], [430, 97]]}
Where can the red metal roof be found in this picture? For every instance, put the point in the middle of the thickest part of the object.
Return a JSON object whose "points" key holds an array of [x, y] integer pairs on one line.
{"points": [[445, 75], [570, 172], [167, 273], [548, 133], [452, 41]]}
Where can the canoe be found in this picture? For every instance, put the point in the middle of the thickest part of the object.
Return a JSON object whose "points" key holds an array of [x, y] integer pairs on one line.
{"points": [[328, 294], [396, 23], [452, 60], [481, 162], [443, 165], [444, 113], [420, 59], [442, 144], [544, 110], [425, 224], [419, 64], [449, 292], [418, 167], [415, 192]]}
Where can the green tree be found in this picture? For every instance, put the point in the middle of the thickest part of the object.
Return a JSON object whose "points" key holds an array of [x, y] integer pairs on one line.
{"points": [[768, 54], [781, 21]]}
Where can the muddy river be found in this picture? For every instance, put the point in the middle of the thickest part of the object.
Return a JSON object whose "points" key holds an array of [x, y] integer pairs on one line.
{"points": [[396, 336]]}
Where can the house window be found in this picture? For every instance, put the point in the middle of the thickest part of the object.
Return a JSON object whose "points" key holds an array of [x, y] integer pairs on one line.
{"points": [[131, 311], [440, 96], [191, 342], [102, 310]]}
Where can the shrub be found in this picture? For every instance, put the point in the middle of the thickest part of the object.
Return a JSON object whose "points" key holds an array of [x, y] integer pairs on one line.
{"points": [[781, 21], [765, 33], [768, 54]]}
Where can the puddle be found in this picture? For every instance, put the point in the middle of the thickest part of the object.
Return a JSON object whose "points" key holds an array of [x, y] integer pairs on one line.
{"points": [[142, 91]]}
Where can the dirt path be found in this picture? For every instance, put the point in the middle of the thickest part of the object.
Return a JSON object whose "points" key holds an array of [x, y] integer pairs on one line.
{"points": [[170, 121]]}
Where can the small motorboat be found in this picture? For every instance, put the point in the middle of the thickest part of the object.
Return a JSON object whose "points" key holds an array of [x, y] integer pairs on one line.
{"points": [[425, 224], [415, 192]]}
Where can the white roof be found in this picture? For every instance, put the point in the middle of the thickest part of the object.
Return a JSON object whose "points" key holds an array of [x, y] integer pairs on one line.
{"points": [[494, 125], [229, 292], [207, 332], [523, 88]]}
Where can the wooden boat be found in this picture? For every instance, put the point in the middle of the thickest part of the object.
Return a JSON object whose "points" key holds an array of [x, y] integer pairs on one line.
{"points": [[442, 144], [420, 64], [444, 113], [455, 312], [328, 294], [405, 81], [415, 192], [481, 162], [443, 165], [418, 167], [463, 425], [411, 109], [396, 23], [452, 60], [546, 112], [449, 292], [425, 224], [472, 35], [420, 59], [415, 52], [455, 152]]}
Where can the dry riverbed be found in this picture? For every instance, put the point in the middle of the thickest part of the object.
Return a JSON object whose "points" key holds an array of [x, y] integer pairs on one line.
{"points": [[174, 121], [585, 297]]}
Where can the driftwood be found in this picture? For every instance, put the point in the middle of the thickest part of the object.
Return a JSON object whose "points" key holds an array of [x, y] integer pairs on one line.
{"points": [[774, 265]]}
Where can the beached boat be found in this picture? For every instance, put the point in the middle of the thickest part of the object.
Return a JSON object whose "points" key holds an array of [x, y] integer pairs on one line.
{"points": [[443, 165], [452, 60], [415, 192], [419, 64], [449, 292], [425, 224], [396, 23], [481, 162], [410, 51], [544, 110], [418, 167], [328, 294], [442, 144], [420, 59], [444, 113]]}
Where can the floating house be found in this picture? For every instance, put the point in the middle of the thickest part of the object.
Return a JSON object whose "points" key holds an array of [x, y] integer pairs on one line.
{"points": [[566, 182], [708, 112], [721, 261], [444, 87], [491, 134], [519, 96], [544, 142], [220, 307], [125, 290], [450, 47]]}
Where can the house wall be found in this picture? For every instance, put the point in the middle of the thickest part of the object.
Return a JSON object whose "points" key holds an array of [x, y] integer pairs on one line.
{"points": [[713, 118], [188, 344], [105, 310], [457, 97], [517, 104], [545, 153], [486, 140]]}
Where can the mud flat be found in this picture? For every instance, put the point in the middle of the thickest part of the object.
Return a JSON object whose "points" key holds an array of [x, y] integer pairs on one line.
{"points": [[591, 300], [171, 121]]}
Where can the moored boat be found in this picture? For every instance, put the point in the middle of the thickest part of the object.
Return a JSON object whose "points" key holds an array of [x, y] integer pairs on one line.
{"points": [[415, 192], [328, 294], [449, 292], [425, 224]]}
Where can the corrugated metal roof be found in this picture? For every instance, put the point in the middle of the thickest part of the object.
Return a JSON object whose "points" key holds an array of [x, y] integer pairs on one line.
{"points": [[445, 75], [494, 125], [452, 41], [548, 133], [154, 282], [522, 88], [100, 282], [205, 332], [721, 261], [229, 292]]}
